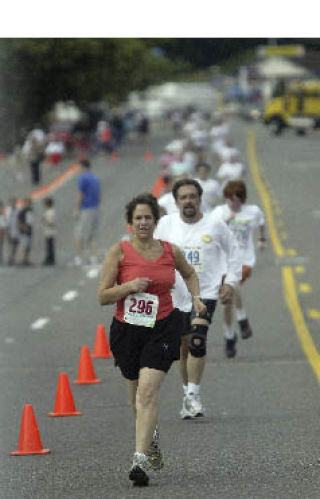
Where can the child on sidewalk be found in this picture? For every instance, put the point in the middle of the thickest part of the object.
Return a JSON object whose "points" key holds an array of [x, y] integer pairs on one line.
{"points": [[49, 229]]}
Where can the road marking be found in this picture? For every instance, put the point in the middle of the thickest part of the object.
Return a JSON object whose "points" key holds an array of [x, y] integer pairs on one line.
{"points": [[299, 269], [93, 273], [40, 323], [291, 252], [265, 198], [56, 183], [70, 295], [303, 333], [313, 313], [288, 279], [304, 287]]}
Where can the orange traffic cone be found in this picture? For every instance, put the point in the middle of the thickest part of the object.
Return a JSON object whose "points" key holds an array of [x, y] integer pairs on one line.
{"points": [[101, 347], [148, 156], [114, 156], [86, 374], [29, 440], [64, 405]]}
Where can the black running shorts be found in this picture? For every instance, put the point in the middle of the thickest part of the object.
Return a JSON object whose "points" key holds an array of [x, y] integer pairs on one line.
{"points": [[186, 317], [135, 347]]}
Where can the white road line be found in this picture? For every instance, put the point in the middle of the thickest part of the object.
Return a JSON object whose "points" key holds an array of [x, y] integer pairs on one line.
{"points": [[93, 273], [70, 295], [40, 323]]}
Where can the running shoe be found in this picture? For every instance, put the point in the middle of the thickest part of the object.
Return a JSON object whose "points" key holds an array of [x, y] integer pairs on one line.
{"points": [[230, 347], [245, 329], [192, 407], [154, 453], [185, 413], [138, 472]]}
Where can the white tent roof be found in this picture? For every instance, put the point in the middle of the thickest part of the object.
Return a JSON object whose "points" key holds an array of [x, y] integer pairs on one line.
{"points": [[278, 67]]}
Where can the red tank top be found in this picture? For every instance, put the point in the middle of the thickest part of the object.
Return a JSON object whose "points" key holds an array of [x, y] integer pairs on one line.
{"points": [[160, 271]]}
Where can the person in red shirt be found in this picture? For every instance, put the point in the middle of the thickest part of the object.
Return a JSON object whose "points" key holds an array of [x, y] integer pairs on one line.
{"points": [[138, 276]]}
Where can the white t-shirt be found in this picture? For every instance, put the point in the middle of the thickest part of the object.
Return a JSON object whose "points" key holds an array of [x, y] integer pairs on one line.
{"points": [[220, 131], [225, 153], [167, 202], [211, 193], [230, 171], [199, 137], [242, 226], [207, 244], [49, 222]]}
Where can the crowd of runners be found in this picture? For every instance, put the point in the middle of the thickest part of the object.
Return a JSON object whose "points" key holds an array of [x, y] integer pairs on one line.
{"points": [[185, 253]]}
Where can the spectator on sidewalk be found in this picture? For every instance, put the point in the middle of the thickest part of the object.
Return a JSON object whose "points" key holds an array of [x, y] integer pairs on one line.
{"points": [[12, 230], [25, 225], [87, 213], [49, 229], [2, 229], [34, 149]]}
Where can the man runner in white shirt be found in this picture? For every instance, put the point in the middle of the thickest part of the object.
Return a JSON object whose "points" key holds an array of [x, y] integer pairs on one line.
{"points": [[207, 244], [242, 220], [210, 187]]}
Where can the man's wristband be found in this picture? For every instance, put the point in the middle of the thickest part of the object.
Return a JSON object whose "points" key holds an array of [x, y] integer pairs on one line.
{"points": [[196, 296]]}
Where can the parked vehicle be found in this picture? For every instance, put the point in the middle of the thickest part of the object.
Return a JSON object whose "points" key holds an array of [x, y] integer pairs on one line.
{"points": [[296, 106]]}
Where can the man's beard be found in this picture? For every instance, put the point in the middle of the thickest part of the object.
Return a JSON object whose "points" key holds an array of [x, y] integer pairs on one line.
{"points": [[189, 211]]}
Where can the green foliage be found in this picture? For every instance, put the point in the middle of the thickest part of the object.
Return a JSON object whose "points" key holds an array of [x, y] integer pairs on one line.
{"points": [[36, 73]]}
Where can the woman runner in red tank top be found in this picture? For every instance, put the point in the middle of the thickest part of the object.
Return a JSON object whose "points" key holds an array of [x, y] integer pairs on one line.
{"points": [[138, 276]]}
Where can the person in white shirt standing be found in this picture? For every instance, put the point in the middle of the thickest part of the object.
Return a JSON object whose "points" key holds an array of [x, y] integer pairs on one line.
{"points": [[211, 188], [206, 244], [242, 220]]}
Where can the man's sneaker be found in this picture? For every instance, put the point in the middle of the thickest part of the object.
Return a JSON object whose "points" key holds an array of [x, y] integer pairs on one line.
{"points": [[245, 329], [230, 347], [154, 453], [140, 466], [185, 413], [192, 407]]}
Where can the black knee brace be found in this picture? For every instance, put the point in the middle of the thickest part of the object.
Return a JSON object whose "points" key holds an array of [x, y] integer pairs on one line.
{"points": [[198, 340]]}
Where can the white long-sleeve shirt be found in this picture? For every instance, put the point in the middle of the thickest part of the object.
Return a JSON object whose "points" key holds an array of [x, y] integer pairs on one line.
{"points": [[207, 245]]}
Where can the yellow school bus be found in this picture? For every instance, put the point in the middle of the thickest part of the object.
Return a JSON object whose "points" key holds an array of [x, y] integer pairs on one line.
{"points": [[296, 105]]}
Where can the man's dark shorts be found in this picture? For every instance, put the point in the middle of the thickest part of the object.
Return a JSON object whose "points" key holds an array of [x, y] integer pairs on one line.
{"points": [[186, 317], [135, 347]]}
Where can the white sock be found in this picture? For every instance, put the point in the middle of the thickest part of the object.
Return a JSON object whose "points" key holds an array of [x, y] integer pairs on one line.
{"points": [[241, 314], [193, 388], [185, 389], [228, 332]]}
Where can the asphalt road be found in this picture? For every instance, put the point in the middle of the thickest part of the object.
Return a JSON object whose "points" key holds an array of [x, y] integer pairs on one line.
{"points": [[259, 439]]}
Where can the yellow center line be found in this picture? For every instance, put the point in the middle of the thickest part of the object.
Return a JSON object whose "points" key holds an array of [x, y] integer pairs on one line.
{"points": [[265, 198], [303, 333], [288, 279]]}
